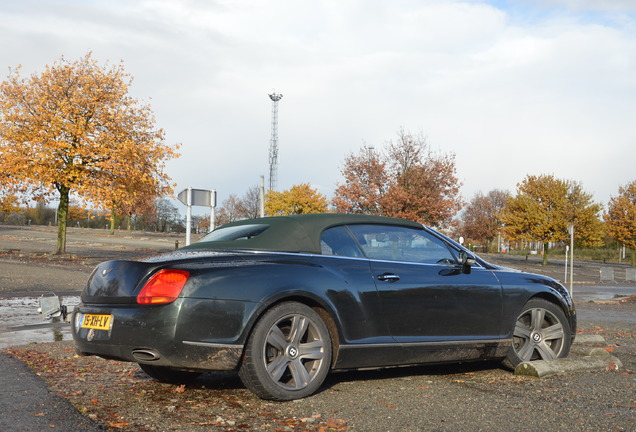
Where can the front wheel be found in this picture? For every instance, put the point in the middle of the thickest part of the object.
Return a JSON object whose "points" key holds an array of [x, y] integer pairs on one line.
{"points": [[288, 354], [541, 332]]}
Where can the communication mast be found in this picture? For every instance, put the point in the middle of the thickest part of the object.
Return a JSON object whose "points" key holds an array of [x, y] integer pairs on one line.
{"points": [[273, 144]]}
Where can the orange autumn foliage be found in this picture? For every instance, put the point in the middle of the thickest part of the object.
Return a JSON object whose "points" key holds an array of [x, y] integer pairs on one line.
{"points": [[410, 181], [74, 129]]}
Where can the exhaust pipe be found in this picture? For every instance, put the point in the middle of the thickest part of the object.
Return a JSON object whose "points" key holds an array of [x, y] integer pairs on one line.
{"points": [[145, 355]]}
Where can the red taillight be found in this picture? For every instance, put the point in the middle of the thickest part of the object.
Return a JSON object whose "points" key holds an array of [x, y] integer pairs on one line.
{"points": [[163, 287]]}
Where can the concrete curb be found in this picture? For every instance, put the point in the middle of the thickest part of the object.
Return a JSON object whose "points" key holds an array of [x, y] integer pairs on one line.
{"points": [[589, 339], [585, 351], [582, 358], [543, 368]]}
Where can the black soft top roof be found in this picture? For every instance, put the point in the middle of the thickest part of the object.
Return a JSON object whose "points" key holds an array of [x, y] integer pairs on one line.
{"points": [[295, 233]]}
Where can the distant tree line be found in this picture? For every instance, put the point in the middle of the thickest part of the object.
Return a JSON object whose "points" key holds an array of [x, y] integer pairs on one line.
{"points": [[162, 217], [408, 179], [73, 134], [544, 210]]}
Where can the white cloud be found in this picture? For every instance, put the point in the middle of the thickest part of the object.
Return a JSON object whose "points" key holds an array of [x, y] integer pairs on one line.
{"points": [[510, 96], [594, 5]]}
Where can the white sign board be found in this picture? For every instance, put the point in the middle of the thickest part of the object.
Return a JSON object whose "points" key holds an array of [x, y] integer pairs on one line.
{"points": [[197, 197]]}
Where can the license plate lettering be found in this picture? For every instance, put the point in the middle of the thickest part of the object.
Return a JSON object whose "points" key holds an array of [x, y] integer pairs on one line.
{"points": [[98, 322]]}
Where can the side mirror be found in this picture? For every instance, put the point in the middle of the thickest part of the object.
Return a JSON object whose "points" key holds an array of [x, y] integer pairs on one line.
{"points": [[466, 260]]}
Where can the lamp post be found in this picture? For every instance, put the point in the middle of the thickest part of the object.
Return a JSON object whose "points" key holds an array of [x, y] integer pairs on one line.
{"points": [[273, 146]]}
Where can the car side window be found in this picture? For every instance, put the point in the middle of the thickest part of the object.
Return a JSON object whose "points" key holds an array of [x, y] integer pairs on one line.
{"points": [[338, 241], [395, 243]]}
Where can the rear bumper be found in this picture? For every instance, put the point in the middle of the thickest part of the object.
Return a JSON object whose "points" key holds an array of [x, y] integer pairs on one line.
{"points": [[154, 335], [190, 357]]}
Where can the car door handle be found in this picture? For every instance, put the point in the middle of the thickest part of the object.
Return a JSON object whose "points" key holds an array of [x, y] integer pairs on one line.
{"points": [[388, 277]]}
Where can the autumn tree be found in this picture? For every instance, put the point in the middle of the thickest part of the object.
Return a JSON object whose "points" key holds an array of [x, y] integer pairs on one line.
{"points": [[75, 129], [410, 181], [620, 217], [480, 219], [9, 201], [366, 182], [584, 214], [134, 194], [424, 184], [537, 212], [76, 212], [8, 205], [543, 209], [299, 199]]}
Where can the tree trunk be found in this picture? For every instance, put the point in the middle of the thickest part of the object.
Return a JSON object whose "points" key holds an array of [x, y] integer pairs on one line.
{"points": [[545, 254], [633, 257], [62, 213], [112, 222]]}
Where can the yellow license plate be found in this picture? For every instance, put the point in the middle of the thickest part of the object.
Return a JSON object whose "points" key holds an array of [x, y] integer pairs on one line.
{"points": [[97, 322]]}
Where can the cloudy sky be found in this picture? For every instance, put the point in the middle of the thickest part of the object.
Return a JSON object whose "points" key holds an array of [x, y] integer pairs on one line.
{"points": [[512, 87]]}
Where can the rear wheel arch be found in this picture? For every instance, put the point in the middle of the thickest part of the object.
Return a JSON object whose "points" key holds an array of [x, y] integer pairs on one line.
{"points": [[324, 311]]}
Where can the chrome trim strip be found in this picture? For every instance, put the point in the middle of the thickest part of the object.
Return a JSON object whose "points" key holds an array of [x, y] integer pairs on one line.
{"points": [[470, 342], [423, 344], [213, 345], [307, 254], [476, 266]]}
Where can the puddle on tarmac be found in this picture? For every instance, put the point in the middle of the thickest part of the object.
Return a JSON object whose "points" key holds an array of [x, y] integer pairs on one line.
{"points": [[21, 324]]}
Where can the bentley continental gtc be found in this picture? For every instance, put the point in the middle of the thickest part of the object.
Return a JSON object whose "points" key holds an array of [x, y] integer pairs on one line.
{"points": [[285, 300]]}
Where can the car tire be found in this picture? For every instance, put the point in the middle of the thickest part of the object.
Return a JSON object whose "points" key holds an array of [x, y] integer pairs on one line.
{"points": [[288, 354], [540, 332], [169, 375]]}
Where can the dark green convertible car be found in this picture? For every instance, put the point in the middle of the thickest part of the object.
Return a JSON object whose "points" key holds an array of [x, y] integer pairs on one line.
{"points": [[284, 300]]}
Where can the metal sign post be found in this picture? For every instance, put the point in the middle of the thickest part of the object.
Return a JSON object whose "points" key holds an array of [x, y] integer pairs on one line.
{"points": [[197, 197], [188, 214], [571, 232], [565, 277]]}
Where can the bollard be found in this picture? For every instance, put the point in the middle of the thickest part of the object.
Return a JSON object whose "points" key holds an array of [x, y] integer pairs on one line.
{"points": [[176, 244]]}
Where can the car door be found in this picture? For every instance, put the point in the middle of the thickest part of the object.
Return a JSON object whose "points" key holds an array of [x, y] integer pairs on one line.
{"points": [[426, 295], [362, 313]]}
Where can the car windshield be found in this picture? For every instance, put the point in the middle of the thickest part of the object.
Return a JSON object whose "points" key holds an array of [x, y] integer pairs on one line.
{"points": [[240, 232]]}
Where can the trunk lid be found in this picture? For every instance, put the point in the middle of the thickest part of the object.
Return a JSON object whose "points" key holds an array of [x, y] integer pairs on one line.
{"points": [[119, 281], [116, 282]]}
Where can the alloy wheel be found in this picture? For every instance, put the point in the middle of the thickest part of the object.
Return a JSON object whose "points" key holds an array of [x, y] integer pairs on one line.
{"points": [[294, 352], [538, 334]]}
